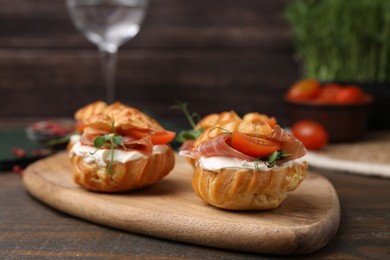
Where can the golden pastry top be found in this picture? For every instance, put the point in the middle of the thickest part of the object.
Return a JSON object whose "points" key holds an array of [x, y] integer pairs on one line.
{"points": [[212, 119], [99, 115], [258, 118], [87, 111], [223, 127]]}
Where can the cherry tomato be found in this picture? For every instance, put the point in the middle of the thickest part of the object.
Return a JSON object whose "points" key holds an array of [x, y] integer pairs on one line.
{"points": [[312, 134], [17, 169], [350, 94], [18, 152], [157, 138], [329, 93], [304, 90], [253, 146]]}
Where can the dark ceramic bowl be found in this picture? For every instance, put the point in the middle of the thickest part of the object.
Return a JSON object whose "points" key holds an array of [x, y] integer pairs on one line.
{"points": [[45, 132], [343, 122]]}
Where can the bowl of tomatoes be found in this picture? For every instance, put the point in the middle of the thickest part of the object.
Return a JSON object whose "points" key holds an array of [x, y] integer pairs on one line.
{"points": [[342, 109], [50, 133]]}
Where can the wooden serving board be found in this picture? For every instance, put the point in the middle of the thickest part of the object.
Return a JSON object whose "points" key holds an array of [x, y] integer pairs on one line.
{"points": [[169, 209]]}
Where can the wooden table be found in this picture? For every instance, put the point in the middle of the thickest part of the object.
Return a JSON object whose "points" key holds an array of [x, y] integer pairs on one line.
{"points": [[29, 228]]}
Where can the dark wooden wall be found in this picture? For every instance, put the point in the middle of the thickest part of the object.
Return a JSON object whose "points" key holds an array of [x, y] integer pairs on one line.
{"points": [[217, 55]]}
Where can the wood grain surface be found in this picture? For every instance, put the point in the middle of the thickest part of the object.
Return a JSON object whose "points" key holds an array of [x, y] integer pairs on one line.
{"points": [[304, 223], [29, 229]]}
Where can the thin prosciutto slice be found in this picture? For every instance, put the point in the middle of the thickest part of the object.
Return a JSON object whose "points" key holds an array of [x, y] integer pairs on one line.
{"points": [[291, 144], [187, 145], [219, 146], [90, 134], [143, 145]]}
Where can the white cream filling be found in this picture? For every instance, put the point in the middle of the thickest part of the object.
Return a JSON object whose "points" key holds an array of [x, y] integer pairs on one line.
{"points": [[74, 138], [101, 156], [215, 163]]}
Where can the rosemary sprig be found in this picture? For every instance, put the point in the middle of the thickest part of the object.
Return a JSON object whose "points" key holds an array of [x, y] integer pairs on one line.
{"points": [[194, 132]]}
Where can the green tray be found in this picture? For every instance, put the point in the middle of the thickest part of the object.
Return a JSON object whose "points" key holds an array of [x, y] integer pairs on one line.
{"points": [[16, 137]]}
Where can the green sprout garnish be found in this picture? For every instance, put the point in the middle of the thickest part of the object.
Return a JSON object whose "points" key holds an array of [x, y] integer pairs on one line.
{"points": [[256, 163], [61, 140], [188, 135], [194, 132], [275, 156], [271, 159], [225, 131], [110, 141]]}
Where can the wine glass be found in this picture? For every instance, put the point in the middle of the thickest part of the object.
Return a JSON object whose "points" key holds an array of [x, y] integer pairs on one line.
{"points": [[108, 24]]}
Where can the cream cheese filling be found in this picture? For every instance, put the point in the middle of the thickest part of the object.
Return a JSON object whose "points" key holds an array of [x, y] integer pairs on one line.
{"points": [[216, 163], [102, 156]]}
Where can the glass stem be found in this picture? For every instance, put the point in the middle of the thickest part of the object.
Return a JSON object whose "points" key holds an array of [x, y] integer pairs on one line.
{"points": [[108, 68]]}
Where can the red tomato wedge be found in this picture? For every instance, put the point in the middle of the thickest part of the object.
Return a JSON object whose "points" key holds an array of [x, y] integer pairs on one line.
{"points": [[253, 146], [157, 138]]}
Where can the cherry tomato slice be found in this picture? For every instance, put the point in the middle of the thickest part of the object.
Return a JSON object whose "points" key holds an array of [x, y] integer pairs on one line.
{"points": [[157, 138], [253, 146], [79, 127], [312, 134], [304, 90]]}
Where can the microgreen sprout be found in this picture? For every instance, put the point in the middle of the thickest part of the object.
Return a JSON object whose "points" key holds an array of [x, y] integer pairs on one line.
{"points": [[270, 160], [225, 131], [256, 164], [58, 141], [194, 132], [110, 141], [275, 156]]}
